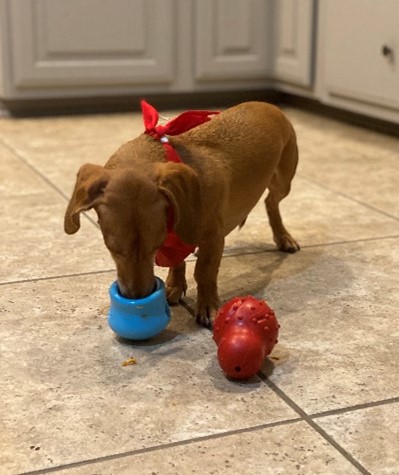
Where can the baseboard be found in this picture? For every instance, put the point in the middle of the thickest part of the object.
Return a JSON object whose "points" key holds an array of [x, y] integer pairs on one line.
{"points": [[195, 100], [109, 104]]}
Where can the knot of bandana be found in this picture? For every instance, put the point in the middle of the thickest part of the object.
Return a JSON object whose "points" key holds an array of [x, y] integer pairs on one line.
{"points": [[180, 124]]}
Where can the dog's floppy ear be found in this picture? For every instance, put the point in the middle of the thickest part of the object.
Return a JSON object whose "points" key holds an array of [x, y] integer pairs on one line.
{"points": [[180, 184], [89, 188]]}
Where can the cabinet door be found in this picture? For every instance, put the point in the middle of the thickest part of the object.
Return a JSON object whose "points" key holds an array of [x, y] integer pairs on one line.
{"points": [[58, 43], [362, 50], [293, 36], [231, 39]]}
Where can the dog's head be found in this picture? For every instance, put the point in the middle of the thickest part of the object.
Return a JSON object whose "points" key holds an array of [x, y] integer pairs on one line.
{"points": [[132, 213]]}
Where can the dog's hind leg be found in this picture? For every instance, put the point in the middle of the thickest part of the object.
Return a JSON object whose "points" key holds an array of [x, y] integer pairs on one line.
{"points": [[176, 284], [279, 188]]}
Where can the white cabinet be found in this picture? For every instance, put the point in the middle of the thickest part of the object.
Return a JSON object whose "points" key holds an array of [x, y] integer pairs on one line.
{"points": [[76, 48], [359, 55], [232, 39], [343, 53], [73, 43], [293, 41], [72, 48]]}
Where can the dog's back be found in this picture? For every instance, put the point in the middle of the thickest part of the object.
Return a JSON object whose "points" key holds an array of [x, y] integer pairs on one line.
{"points": [[240, 149]]}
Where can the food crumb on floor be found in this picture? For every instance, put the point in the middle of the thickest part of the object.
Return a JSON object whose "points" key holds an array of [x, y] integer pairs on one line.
{"points": [[129, 362]]}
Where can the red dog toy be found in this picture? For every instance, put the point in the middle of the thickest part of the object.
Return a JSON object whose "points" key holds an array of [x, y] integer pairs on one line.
{"points": [[245, 330]]}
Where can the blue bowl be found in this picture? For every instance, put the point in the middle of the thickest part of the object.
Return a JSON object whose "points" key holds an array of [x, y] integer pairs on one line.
{"points": [[139, 319]]}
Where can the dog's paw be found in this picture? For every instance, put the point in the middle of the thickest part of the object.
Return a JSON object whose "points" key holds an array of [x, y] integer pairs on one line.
{"points": [[174, 294], [206, 315], [176, 284], [287, 243]]}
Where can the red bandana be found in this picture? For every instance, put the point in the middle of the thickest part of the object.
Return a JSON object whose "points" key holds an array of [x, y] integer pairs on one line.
{"points": [[173, 251]]}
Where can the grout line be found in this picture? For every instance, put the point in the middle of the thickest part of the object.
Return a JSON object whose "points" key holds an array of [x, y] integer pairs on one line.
{"points": [[56, 277], [302, 415], [43, 177], [34, 169], [60, 192], [304, 177], [311, 246], [344, 410], [306, 418], [348, 197], [225, 256], [161, 447], [350, 241]]}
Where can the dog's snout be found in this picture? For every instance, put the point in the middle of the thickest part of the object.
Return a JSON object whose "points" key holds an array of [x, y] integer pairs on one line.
{"points": [[134, 293], [136, 284]]}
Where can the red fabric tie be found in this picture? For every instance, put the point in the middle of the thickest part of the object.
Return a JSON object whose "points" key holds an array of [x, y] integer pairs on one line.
{"points": [[173, 251]]}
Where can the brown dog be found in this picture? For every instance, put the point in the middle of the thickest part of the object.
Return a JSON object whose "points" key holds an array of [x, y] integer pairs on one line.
{"points": [[228, 163]]}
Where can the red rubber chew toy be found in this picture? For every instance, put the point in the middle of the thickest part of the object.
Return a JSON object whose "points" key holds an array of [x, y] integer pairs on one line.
{"points": [[245, 330]]}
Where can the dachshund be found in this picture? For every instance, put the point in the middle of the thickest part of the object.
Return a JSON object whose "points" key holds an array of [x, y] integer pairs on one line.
{"points": [[220, 171]]}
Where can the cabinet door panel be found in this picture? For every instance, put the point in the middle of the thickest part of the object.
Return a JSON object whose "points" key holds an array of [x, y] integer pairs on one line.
{"points": [[231, 39], [61, 43], [293, 36], [355, 66], [73, 28]]}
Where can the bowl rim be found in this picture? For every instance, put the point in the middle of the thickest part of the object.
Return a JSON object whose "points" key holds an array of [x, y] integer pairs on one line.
{"points": [[117, 297]]}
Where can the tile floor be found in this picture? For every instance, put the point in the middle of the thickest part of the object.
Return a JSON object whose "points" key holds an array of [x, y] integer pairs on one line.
{"points": [[326, 401]]}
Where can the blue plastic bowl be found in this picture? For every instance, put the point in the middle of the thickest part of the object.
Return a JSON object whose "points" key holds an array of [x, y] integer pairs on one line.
{"points": [[139, 319]]}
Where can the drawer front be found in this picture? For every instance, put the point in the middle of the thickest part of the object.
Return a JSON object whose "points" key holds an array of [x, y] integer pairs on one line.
{"points": [[362, 50]]}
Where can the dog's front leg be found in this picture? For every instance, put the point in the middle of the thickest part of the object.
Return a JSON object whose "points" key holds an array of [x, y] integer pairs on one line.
{"points": [[176, 284], [206, 271]]}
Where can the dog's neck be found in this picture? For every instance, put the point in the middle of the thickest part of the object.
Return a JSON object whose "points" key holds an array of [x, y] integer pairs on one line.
{"points": [[173, 251], [171, 154]]}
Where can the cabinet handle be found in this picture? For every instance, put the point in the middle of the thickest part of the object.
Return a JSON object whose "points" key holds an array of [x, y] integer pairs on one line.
{"points": [[387, 51]]}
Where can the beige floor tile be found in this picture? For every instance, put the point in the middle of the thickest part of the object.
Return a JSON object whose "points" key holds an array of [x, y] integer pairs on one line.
{"points": [[293, 449], [61, 164], [351, 160], [371, 435], [30, 134], [57, 147], [313, 215], [337, 306], [34, 135], [66, 397], [34, 245], [16, 178], [311, 126]]}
